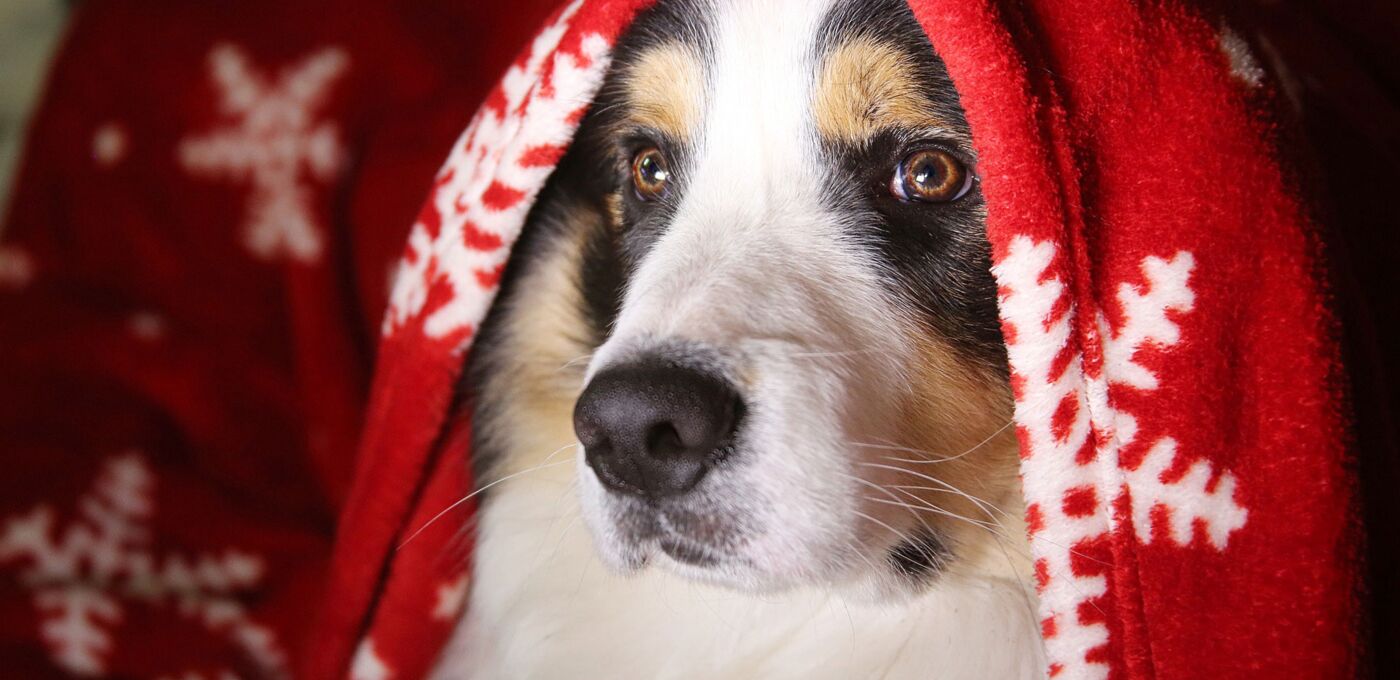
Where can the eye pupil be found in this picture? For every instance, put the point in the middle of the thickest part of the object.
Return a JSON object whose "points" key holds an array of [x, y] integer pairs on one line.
{"points": [[925, 173]]}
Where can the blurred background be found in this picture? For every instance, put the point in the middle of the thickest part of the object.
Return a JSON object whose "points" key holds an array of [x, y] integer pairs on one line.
{"points": [[29, 31]]}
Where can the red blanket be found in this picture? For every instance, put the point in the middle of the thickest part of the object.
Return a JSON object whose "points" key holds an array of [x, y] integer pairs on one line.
{"points": [[191, 279], [184, 386]]}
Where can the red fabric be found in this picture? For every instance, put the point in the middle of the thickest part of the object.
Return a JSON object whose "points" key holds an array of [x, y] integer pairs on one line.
{"points": [[1345, 76], [1179, 396], [181, 408]]}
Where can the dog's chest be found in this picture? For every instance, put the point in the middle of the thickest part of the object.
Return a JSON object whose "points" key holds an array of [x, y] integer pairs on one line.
{"points": [[543, 607]]}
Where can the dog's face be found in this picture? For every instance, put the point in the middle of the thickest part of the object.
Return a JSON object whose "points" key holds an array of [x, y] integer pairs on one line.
{"points": [[802, 379]]}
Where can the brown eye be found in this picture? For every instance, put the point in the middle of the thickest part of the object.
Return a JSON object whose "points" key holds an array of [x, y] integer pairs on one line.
{"points": [[930, 176], [649, 173]]}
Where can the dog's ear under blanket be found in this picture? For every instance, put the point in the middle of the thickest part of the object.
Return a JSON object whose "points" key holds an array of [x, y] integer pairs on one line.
{"points": [[1179, 402]]}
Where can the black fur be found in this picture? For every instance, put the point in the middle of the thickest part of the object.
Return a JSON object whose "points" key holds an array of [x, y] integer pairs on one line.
{"points": [[919, 557]]}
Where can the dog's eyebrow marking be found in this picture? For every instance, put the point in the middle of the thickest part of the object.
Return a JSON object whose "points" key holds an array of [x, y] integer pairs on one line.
{"points": [[866, 86], [665, 90]]}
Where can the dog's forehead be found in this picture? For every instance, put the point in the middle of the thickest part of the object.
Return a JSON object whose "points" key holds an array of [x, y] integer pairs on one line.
{"points": [[851, 69]]}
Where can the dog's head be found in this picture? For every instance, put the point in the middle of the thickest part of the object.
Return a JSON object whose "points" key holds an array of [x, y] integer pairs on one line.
{"points": [[802, 379]]}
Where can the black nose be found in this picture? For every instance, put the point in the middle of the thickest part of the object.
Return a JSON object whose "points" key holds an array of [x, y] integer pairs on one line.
{"points": [[654, 429]]}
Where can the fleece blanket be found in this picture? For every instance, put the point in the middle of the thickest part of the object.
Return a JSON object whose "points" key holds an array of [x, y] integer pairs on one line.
{"points": [[207, 482], [192, 273]]}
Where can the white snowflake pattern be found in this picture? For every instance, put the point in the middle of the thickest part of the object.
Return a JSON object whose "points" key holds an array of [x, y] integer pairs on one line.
{"points": [[146, 325], [16, 268], [109, 144], [367, 664], [487, 183], [1190, 497], [1243, 66], [196, 675], [275, 143], [451, 598], [1070, 494], [82, 572]]}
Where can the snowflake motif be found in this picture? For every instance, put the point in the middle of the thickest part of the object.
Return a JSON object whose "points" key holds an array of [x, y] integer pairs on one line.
{"points": [[275, 144], [459, 245], [109, 144], [1243, 66], [81, 573], [16, 268], [1072, 434], [146, 326], [367, 664], [452, 598], [195, 675]]}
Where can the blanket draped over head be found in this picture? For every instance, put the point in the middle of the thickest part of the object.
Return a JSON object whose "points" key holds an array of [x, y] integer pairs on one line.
{"points": [[1179, 398], [1182, 447]]}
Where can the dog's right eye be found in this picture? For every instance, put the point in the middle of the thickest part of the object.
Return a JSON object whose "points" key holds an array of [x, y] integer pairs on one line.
{"points": [[930, 176], [649, 173]]}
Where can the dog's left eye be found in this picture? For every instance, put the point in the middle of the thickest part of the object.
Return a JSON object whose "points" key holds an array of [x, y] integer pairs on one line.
{"points": [[649, 173], [930, 176]]}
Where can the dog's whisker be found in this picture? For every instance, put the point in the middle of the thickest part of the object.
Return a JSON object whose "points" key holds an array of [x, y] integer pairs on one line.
{"points": [[984, 505], [905, 539], [917, 510], [991, 511], [558, 451], [912, 511], [933, 457], [896, 532], [948, 488], [473, 494], [929, 507], [584, 358], [887, 492], [997, 530], [838, 354]]}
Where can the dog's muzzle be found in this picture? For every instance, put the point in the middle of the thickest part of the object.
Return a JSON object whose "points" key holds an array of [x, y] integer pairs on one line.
{"points": [[653, 429]]}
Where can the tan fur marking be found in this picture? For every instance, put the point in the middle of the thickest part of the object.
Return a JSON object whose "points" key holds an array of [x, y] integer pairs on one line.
{"points": [[665, 87], [613, 202], [866, 86], [956, 427], [543, 358]]}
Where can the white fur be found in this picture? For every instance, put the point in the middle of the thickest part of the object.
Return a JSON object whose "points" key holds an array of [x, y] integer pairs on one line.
{"points": [[544, 607]]}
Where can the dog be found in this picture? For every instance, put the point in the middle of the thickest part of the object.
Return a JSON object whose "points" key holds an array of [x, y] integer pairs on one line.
{"points": [[742, 408]]}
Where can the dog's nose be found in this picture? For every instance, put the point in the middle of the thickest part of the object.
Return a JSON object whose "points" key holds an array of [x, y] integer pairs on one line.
{"points": [[654, 429]]}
